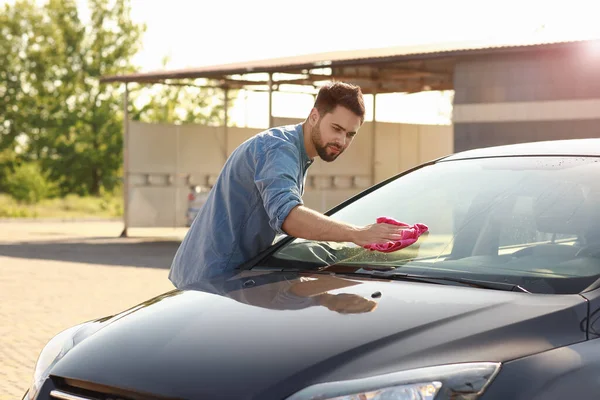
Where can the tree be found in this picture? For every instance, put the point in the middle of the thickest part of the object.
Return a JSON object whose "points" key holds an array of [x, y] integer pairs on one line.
{"points": [[53, 61], [192, 101], [16, 101], [87, 156], [53, 110]]}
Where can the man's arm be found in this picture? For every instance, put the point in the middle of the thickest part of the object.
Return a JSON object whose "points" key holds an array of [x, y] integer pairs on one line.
{"points": [[306, 223], [275, 179], [302, 222]]}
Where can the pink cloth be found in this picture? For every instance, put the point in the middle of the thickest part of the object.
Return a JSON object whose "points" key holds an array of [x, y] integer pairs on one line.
{"points": [[409, 236]]}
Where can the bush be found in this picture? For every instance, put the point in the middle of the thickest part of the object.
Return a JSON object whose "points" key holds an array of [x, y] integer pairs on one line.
{"points": [[28, 184], [71, 206], [9, 208], [8, 161]]}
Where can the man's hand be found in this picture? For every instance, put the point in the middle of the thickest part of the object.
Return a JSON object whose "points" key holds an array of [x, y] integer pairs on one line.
{"points": [[377, 234], [302, 222]]}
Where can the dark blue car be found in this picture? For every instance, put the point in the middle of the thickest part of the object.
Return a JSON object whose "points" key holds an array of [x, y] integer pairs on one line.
{"points": [[500, 299]]}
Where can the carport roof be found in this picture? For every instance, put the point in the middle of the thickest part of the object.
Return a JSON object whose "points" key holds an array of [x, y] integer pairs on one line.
{"points": [[406, 68]]}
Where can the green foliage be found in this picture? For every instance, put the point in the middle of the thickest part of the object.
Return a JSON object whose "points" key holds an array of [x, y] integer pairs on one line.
{"points": [[189, 101], [51, 62], [180, 105], [8, 162], [10, 208], [71, 206], [53, 109], [29, 184]]}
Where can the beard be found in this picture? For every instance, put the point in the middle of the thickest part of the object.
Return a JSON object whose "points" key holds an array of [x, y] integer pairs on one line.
{"points": [[322, 148]]}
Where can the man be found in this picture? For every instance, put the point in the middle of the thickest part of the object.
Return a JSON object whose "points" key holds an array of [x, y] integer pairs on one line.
{"points": [[258, 193]]}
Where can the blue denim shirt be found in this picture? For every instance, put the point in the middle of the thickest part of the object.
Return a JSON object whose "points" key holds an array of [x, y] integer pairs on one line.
{"points": [[260, 183]]}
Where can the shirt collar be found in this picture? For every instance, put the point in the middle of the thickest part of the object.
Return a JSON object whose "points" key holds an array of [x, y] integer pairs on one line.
{"points": [[300, 137]]}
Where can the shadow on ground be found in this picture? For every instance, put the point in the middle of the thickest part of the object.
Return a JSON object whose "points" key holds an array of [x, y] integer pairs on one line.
{"points": [[105, 251]]}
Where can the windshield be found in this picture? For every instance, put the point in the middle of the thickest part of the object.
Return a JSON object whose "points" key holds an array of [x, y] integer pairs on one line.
{"points": [[529, 221]]}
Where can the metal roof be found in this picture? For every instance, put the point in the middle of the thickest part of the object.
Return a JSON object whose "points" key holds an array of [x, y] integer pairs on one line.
{"points": [[379, 70], [297, 64]]}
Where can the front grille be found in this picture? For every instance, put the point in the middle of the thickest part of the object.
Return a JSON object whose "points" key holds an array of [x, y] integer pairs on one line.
{"points": [[62, 395], [59, 394], [70, 389]]}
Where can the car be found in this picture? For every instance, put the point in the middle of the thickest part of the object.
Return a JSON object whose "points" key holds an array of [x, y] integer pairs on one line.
{"points": [[197, 196], [499, 299]]}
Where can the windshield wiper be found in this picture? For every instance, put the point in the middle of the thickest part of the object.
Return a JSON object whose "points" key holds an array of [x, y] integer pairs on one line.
{"points": [[509, 287]]}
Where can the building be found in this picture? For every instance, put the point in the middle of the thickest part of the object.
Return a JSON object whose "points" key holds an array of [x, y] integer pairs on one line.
{"points": [[504, 93]]}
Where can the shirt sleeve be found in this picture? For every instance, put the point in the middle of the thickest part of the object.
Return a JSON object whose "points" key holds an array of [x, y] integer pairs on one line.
{"points": [[276, 178]]}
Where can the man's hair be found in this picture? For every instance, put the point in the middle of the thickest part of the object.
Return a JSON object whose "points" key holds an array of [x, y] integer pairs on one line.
{"points": [[340, 94]]}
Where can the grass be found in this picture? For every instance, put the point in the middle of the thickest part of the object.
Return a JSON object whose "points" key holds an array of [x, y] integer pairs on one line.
{"points": [[71, 206]]}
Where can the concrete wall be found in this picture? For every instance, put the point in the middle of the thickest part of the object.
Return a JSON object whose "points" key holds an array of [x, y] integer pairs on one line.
{"points": [[164, 160], [514, 98]]}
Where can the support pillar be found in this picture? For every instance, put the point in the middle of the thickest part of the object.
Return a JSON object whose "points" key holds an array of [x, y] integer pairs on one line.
{"points": [[125, 161], [270, 100], [226, 119], [374, 139]]}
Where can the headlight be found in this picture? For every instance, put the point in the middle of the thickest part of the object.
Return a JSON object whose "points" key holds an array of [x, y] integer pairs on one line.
{"points": [[56, 349], [457, 382]]}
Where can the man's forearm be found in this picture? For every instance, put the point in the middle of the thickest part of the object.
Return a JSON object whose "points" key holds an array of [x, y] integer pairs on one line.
{"points": [[302, 222]]}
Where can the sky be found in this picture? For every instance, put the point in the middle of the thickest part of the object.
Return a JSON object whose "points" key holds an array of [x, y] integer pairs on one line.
{"points": [[199, 32], [196, 33], [204, 32]]}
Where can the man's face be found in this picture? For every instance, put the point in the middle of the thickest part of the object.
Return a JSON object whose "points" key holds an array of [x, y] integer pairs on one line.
{"points": [[334, 131]]}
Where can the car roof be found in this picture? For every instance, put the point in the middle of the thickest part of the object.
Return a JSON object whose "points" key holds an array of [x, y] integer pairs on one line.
{"points": [[568, 147]]}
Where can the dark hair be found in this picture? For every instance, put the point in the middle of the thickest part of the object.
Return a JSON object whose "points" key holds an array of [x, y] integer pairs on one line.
{"points": [[340, 94]]}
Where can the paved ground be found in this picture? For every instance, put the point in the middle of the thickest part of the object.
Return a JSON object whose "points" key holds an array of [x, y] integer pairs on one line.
{"points": [[55, 275]]}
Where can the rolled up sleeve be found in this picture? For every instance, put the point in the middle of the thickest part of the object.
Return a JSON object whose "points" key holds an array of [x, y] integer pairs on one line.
{"points": [[276, 178]]}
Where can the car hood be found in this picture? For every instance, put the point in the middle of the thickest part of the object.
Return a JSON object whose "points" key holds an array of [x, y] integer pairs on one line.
{"points": [[267, 335]]}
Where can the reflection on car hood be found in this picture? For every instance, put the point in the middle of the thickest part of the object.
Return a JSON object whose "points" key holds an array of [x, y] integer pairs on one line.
{"points": [[267, 335]]}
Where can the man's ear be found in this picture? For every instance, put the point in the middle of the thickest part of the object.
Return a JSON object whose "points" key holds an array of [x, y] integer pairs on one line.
{"points": [[314, 117]]}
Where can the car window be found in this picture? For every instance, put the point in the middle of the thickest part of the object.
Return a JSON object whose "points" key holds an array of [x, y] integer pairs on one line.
{"points": [[514, 219], [521, 229]]}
